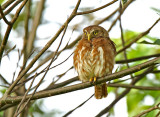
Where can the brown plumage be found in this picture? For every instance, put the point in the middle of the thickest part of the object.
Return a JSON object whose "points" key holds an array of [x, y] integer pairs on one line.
{"points": [[94, 57]]}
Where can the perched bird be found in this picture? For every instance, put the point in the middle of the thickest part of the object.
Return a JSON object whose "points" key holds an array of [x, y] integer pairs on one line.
{"points": [[94, 57]]}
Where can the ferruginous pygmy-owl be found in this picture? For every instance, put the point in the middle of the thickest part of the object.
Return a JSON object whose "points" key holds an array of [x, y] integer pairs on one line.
{"points": [[94, 57]]}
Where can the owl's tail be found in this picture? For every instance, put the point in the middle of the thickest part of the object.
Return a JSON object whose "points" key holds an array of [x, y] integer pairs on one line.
{"points": [[101, 91]]}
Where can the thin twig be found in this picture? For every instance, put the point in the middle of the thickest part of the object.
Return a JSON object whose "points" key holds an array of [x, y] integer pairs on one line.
{"points": [[134, 87], [137, 59], [3, 16], [149, 110], [26, 34], [17, 65], [106, 18], [62, 83], [48, 67], [10, 8], [42, 71], [68, 113], [122, 37], [8, 51], [4, 80], [7, 3], [122, 11], [36, 22], [61, 75], [139, 37], [23, 99], [97, 9], [5, 39]]}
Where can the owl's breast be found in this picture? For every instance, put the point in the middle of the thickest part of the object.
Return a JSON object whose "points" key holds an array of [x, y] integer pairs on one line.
{"points": [[82, 60], [91, 60]]}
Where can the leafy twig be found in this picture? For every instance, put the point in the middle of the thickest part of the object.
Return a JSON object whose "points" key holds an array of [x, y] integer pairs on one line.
{"points": [[149, 110], [138, 37]]}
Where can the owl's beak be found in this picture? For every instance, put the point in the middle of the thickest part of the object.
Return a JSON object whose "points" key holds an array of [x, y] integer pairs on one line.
{"points": [[89, 37]]}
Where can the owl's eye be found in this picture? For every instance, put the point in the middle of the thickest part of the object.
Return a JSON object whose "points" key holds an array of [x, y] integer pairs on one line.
{"points": [[95, 32], [85, 33]]}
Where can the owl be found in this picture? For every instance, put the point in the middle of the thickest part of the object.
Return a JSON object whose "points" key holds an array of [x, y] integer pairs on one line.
{"points": [[94, 57]]}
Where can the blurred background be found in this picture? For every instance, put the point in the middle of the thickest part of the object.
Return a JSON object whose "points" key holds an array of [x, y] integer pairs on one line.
{"points": [[39, 22]]}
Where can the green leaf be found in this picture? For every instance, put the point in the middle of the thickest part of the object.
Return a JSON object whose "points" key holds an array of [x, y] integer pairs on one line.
{"points": [[155, 9], [123, 2], [1, 1], [156, 42], [145, 42], [134, 102]]}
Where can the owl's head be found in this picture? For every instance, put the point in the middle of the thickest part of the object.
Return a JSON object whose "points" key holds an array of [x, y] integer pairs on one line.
{"points": [[94, 31]]}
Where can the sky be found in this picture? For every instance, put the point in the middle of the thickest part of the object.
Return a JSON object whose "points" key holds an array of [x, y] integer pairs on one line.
{"points": [[138, 17]]}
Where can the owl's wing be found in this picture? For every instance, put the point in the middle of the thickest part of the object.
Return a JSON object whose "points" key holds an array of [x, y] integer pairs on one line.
{"points": [[113, 46]]}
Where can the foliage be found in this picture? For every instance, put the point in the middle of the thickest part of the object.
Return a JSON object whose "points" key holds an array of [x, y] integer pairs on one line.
{"points": [[2, 1]]}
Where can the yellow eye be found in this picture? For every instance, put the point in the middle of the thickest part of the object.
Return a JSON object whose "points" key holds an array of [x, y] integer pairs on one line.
{"points": [[95, 32], [85, 33]]}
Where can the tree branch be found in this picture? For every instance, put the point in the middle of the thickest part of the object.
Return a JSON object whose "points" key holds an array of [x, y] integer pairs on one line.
{"points": [[38, 95], [137, 59], [134, 87], [123, 9], [138, 37], [5, 5], [97, 9], [3, 16], [149, 110]]}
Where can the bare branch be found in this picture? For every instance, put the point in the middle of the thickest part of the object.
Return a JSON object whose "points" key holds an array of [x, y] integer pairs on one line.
{"points": [[137, 59], [68, 113], [3, 16], [123, 9], [26, 34], [8, 51], [23, 99], [134, 87], [7, 3], [107, 18], [122, 37], [11, 8], [36, 22], [97, 9]]}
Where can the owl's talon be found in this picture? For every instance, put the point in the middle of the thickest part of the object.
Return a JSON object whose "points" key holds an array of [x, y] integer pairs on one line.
{"points": [[93, 80]]}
